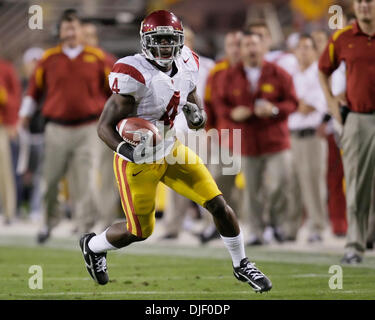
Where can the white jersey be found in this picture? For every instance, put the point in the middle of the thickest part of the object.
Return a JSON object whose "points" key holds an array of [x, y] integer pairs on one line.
{"points": [[159, 97]]}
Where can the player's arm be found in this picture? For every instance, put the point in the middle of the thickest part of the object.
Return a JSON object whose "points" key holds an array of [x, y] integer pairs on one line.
{"points": [[117, 107], [194, 112]]}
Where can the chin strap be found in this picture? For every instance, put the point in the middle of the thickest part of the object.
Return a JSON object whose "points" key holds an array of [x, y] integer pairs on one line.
{"points": [[163, 63]]}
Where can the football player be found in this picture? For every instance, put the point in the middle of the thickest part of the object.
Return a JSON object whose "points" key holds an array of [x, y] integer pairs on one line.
{"points": [[156, 85]]}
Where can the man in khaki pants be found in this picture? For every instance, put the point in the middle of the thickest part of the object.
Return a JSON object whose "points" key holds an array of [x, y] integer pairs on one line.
{"points": [[72, 77], [10, 94], [7, 185], [309, 150], [355, 44]]}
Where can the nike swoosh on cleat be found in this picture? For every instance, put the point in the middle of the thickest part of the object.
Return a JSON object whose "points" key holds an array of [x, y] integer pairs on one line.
{"points": [[257, 288], [186, 60], [92, 270], [84, 246]]}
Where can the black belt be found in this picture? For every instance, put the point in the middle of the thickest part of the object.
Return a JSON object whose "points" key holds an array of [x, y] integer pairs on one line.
{"points": [[370, 112], [344, 111], [309, 132], [75, 122]]}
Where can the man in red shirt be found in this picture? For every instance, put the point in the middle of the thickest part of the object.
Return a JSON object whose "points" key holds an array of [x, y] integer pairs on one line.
{"points": [[71, 78], [257, 97], [335, 170], [355, 44], [10, 96]]}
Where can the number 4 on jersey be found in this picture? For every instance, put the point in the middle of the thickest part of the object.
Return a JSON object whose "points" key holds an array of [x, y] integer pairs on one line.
{"points": [[168, 116], [115, 88]]}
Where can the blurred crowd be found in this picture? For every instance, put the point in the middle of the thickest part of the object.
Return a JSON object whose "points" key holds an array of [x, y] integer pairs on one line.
{"points": [[53, 166]]}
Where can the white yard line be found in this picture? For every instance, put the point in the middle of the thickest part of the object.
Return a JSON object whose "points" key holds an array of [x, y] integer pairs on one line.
{"points": [[47, 294], [133, 293], [143, 277]]}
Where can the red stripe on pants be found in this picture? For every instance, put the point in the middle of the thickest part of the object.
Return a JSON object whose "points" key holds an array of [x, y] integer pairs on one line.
{"points": [[137, 224], [119, 174]]}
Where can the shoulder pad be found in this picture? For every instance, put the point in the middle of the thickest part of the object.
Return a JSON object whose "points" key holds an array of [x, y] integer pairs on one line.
{"points": [[190, 58], [127, 78]]}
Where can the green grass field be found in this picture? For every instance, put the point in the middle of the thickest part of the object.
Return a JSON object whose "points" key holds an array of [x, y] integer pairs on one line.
{"points": [[145, 271]]}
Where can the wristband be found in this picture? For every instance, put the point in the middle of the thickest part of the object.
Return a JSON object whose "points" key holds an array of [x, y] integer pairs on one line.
{"points": [[126, 150], [119, 146]]}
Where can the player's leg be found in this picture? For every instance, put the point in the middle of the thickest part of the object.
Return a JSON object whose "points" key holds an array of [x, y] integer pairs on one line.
{"points": [[226, 184], [193, 180], [137, 186]]}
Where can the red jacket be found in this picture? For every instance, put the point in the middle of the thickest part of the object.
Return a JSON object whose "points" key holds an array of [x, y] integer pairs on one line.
{"points": [[74, 89], [10, 94], [213, 81], [258, 136], [357, 49]]}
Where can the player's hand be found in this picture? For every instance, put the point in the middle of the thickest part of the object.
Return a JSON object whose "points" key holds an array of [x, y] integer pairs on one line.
{"points": [[240, 113], [195, 116], [145, 151]]}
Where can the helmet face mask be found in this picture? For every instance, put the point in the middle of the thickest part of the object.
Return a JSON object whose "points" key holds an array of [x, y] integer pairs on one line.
{"points": [[162, 41]]}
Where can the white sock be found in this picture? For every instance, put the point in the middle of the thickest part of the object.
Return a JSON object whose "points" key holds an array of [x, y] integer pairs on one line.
{"points": [[236, 248], [99, 243]]}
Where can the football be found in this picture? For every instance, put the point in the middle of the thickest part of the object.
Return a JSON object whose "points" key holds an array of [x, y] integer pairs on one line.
{"points": [[131, 130]]}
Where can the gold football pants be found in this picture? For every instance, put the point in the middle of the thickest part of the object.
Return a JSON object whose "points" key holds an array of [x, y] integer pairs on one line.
{"points": [[137, 184]]}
